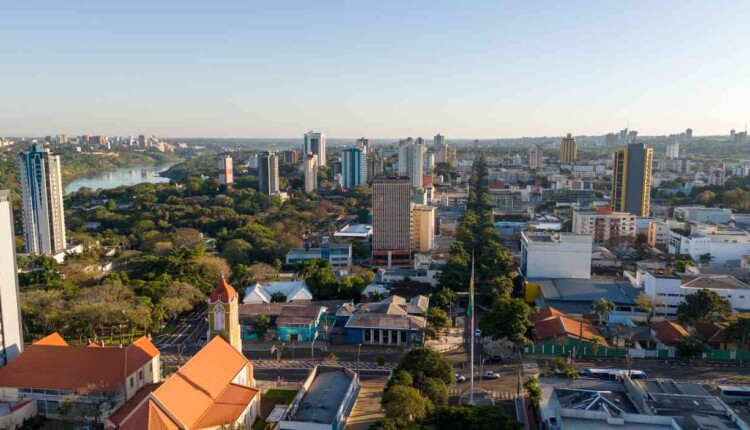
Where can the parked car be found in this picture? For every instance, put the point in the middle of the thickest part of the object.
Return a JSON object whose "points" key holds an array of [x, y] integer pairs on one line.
{"points": [[460, 378], [496, 359], [478, 333], [491, 375]]}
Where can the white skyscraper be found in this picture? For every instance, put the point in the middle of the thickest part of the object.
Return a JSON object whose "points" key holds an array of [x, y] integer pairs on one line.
{"points": [[311, 172], [673, 148], [411, 161], [315, 143], [11, 339], [42, 201], [226, 170], [535, 157]]}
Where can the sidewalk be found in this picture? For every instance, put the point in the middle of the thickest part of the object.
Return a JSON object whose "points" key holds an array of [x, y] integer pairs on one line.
{"points": [[447, 342], [251, 345]]}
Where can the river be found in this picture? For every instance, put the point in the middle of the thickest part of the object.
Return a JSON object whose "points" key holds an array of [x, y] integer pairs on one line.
{"points": [[128, 175]]}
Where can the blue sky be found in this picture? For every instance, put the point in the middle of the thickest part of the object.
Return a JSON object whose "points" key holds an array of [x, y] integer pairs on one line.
{"points": [[383, 69]]}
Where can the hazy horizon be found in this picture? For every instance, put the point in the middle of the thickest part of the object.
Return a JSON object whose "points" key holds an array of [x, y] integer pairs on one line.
{"points": [[488, 70]]}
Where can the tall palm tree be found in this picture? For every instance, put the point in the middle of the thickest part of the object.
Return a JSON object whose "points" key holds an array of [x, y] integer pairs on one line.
{"points": [[603, 308], [595, 342], [705, 259]]}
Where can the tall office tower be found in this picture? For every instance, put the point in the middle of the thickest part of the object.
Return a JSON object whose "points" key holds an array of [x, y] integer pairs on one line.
{"points": [[374, 166], [42, 201], [740, 138], [62, 138], [268, 173], [439, 148], [420, 141], [98, 140], [631, 179], [732, 132], [11, 338], [716, 176], [311, 173], [252, 161], [632, 136], [391, 221], [568, 150], [610, 140], [315, 143], [290, 156], [353, 168], [535, 157], [429, 162], [423, 228], [623, 139], [226, 170], [411, 161], [141, 140], [689, 134], [364, 144], [673, 148]]}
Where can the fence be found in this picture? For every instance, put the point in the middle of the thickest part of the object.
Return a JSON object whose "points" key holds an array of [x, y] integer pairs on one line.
{"points": [[585, 350]]}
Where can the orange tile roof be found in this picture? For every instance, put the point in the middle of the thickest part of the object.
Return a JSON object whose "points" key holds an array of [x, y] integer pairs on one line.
{"points": [[149, 417], [94, 345], [669, 333], [135, 401], [75, 368], [223, 291], [201, 393], [52, 339], [549, 323]]}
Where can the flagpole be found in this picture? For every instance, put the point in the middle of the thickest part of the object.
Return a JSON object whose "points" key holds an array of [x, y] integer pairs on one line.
{"points": [[472, 330]]}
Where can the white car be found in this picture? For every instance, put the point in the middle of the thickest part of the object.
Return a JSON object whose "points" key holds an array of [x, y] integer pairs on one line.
{"points": [[460, 378], [491, 375], [478, 333]]}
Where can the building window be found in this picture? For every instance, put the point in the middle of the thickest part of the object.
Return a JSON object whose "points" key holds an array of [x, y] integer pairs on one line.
{"points": [[132, 380], [140, 375], [219, 317]]}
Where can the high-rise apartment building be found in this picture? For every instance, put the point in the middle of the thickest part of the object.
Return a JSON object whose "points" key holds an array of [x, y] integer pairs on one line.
{"points": [[603, 224], [623, 138], [429, 162], [252, 161], [717, 176], [631, 179], [226, 170], [568, 150], [374, 166], [62, 138], [689, 134], [11, 337], [142, 141], [364, 145], [268, 173], [440, 148], [610, 140], [423, 228], [673, 148], [42, 201], [311, 173], [353, 167], [391, 221], [411, 161], [290, 156], [535, 157], [315, 143], [632, 136]]}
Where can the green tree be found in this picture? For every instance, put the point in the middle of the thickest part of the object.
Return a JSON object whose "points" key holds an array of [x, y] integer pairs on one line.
{"points": [[603, 308], [435, 390], [509, 318], [319, 276], [237, 251], [278, 297], [702, 306], [471, 417], [595, 343], [705, 259], [681, 265], [401, 377], [497, 286], [648, 304], [437, 318], [690, 347], [444, 298], [424, 363], [394, 424], [535, 392], [738, 332], [405, 403]]}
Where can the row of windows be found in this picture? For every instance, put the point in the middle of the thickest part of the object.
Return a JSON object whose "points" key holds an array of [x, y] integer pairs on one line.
{"points": [[728, 296]]}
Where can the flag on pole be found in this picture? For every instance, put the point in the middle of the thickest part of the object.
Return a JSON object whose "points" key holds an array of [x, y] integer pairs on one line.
{"points": [[471, 295]]}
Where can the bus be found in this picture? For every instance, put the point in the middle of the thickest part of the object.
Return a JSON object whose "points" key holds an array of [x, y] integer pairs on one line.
{"points": [[612, 373], [735, 395]]}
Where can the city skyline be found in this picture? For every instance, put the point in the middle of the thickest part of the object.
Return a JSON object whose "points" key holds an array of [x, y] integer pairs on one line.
{"points": [[486, 70]]}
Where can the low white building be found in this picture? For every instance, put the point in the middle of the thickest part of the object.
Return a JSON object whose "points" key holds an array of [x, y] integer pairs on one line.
{"points": [[555, 255], [702, 214], [672, 289], [659, 232], [294, 291], [726, 245]]}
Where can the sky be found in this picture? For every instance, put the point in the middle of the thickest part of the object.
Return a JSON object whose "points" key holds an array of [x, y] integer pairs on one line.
{"points": [[380, 69]]}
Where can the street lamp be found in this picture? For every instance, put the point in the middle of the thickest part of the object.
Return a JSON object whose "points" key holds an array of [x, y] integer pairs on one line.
{"points": [[359, 346]]}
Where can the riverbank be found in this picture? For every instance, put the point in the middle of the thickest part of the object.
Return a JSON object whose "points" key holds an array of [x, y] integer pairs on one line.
{"points": [[77, 165]]}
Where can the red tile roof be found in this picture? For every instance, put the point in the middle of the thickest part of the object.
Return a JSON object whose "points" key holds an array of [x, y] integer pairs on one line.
{"points": [[51, 366], [150, 417], [669, 333], [53, 339], [549, 323], [135, 401], [223, 291]]}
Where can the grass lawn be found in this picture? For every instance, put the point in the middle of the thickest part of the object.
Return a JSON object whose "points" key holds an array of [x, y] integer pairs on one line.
{"points": [[287, 395]]}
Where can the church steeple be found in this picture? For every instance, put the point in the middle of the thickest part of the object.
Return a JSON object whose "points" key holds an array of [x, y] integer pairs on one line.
{"points": [[223, 314]]}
